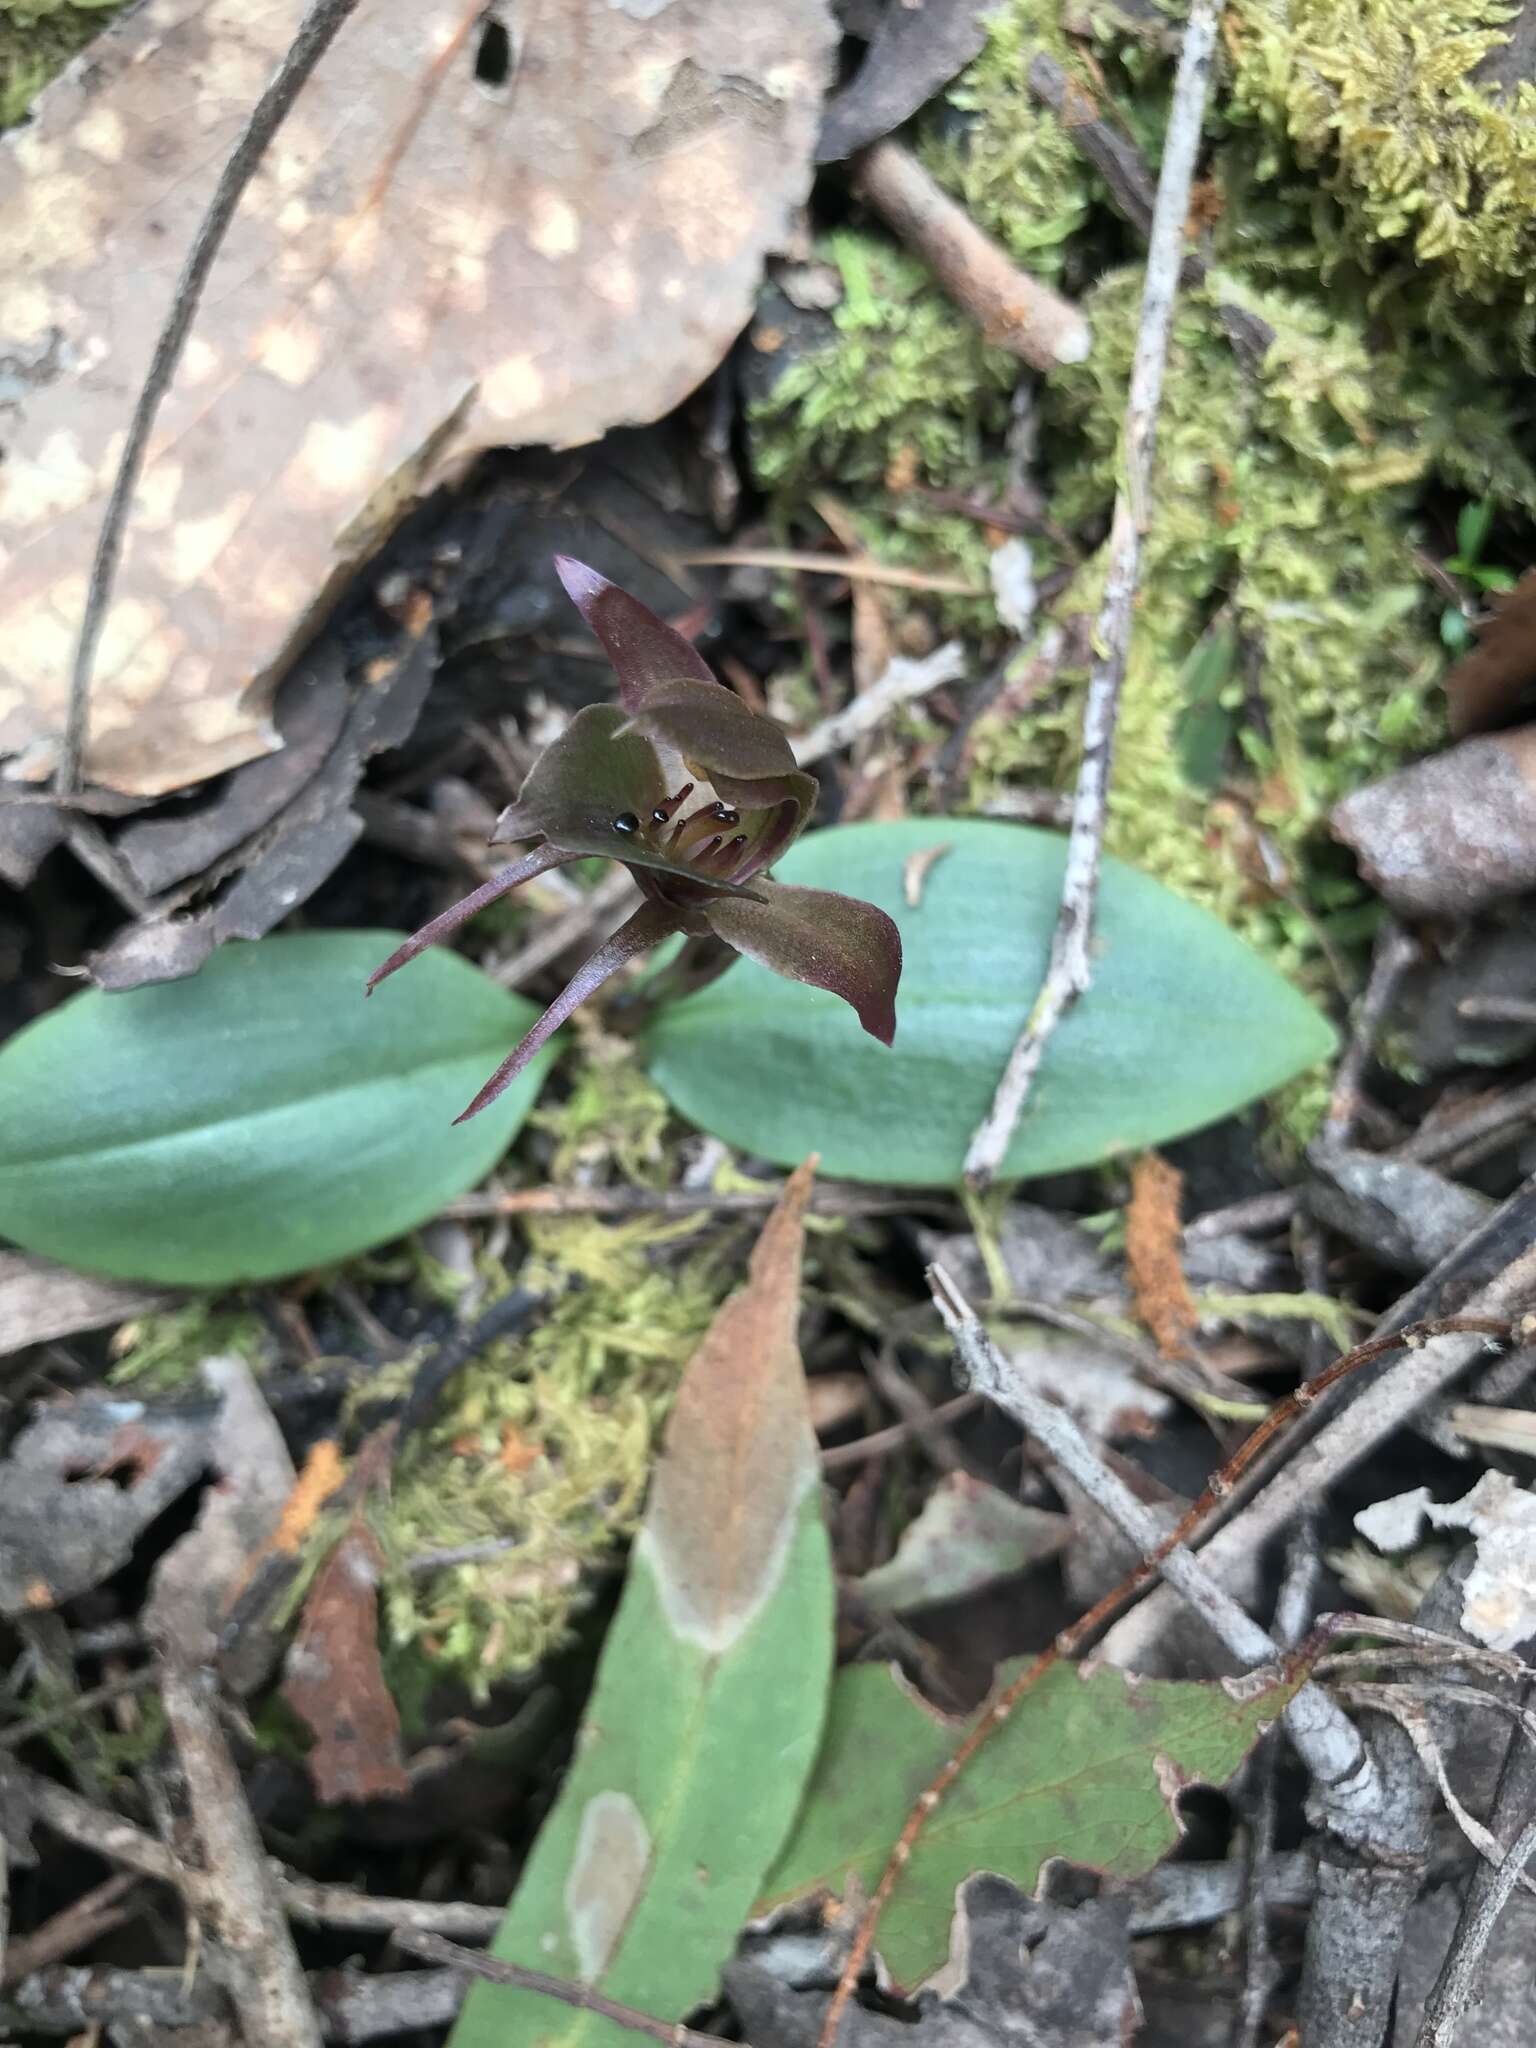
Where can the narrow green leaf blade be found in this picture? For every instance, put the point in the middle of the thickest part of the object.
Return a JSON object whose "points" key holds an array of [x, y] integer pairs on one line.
{"points": [[1087, 1767], [258, 1119], [709, 1701], [1183, 1024]]}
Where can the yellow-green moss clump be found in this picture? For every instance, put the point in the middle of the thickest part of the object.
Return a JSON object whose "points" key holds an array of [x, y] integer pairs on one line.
{"points": [[1382, 101], [37, 39], [1287, 495], [546, 1440]]}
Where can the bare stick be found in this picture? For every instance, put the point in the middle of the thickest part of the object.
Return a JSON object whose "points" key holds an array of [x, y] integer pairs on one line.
{"points": [[316, 32], [1071, 965], [903, 682], [267, 1986], [1347, 1789], [580, 1997], [1014, 310], [1394, 954], [1453, 1987]]}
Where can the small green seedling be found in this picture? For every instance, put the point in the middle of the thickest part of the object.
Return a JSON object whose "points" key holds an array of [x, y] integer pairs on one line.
{"points": [[1472, 524]]}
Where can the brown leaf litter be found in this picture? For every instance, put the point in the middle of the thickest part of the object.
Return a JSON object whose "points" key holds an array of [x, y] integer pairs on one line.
{"points": [[439, 255]]}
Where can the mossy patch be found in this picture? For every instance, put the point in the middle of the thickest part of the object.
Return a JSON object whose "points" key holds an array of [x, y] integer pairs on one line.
{"points": [[37, 39]]}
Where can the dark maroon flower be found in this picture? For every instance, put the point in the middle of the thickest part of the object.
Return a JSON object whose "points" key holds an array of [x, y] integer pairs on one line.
{"points": [[697, 796]]}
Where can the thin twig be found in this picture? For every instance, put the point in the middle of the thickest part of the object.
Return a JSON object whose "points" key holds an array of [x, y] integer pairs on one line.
{"points": [[71, 1710], [903, 682], [1395, 952], [84, 1920], [630, 1201], [579, 1997], [854, 567], [1013, 310], [1071, 962], [315, 34], [1453, 1987], [338, 1905], [1347, 1789], [879, 1441], [1430, 1366], [266, 1983], [557, 935]]}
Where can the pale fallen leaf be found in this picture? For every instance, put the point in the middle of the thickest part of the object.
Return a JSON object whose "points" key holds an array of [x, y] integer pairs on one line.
{"points": [[1498, 1605], [967, 1536], [41, 1300], [429, 263]]}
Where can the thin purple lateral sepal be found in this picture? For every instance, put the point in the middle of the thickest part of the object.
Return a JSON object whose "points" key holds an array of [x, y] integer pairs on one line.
{"points": [[651, 923], [536, 863]]}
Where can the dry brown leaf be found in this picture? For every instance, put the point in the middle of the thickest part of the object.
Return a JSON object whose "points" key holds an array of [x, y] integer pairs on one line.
{"points": [[333, 1679], [426, 265], [1152, 1232], [740, 1456], [1489, 686], [1449, 835]]}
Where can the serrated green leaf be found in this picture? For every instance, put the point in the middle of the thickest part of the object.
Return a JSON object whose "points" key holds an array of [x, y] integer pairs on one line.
{"points": [[1183, 1024], [258, 1119], [710, 1696], [1087, 1767]]}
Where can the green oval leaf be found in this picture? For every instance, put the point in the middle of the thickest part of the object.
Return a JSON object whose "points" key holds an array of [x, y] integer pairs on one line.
{"points": [[258, 1119], [1183, 1024]]}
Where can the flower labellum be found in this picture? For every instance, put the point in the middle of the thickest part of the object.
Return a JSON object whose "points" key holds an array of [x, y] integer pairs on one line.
{"points": [[697, 796]]}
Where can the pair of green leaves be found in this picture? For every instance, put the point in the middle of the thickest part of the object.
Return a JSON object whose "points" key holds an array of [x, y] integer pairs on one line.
{"points": [[720, 1771], [261, 1118]]}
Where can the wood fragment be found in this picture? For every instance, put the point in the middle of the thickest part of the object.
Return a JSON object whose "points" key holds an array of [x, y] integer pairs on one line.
{"points": [[241, 1903], [1152, 1238], [579, 1997], [1071, 960], [1014, 310]]}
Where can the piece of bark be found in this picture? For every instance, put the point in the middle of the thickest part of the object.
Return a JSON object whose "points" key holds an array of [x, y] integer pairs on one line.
{"points": [[918, 47], [82, 1483], [41, 1301], [1452, 834], [1407, 1216]]}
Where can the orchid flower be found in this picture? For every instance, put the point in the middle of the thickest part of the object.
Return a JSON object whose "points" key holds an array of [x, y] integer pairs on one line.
{"points": [[697, 796]]}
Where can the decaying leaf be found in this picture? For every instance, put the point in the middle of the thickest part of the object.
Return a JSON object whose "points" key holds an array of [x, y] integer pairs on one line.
{"points": [[1152, 1233], [915, 50], [1499, 1598], [472, 230], [967, 1536], [333, 1679], [709, 1699], [82, 1483], [1088, 1767], [1021, 1974], [1489, 686], [1452, 834]]}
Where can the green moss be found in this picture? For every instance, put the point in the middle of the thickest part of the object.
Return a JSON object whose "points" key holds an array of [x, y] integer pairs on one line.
{"points": [[1379, 100], [37, 39], [158, 1353], [548, 1441]]}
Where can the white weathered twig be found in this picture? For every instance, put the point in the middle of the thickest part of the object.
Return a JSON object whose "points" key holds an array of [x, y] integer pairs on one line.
{"points": [[903, 682], [1453, 1987], [1323, 1736], [1070, 968], [316, 32], [1340, 1444]]}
